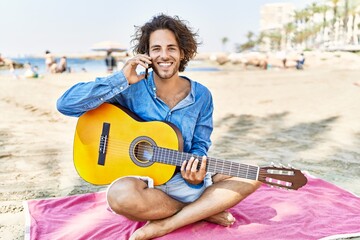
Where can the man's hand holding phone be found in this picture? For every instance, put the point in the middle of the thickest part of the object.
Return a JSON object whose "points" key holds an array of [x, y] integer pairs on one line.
{"points": [[130, 66]]}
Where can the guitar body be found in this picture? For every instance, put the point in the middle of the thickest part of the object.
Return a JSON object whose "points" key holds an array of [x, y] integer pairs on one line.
{"points": [[122, 150]]}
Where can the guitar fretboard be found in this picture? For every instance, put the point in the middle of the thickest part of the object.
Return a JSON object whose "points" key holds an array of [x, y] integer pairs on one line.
{"points": [[214, 165]]}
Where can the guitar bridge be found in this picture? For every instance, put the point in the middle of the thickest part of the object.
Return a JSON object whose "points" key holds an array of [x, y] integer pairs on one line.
{"points": [[104, 138]]}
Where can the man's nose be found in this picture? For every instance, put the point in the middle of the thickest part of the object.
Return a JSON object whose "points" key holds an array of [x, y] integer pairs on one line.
{"points": [[164, 53]]}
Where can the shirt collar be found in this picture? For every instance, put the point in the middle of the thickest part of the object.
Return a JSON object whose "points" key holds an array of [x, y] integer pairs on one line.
{"points": [[188, 100]]}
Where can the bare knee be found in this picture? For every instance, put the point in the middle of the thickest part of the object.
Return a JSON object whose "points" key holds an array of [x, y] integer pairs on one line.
{"points": [[124, 196], [251, 187], [244, 186]]}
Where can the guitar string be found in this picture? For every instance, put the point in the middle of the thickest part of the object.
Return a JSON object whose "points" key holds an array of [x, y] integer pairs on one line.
{"points": [[121, 146], [241, 170]]}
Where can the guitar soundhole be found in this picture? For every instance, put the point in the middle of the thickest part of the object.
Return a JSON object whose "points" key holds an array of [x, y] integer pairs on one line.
{"points": [[142, 151]]}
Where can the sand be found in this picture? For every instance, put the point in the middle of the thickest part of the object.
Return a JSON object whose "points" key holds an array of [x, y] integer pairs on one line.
{"points": [[307, 118]]}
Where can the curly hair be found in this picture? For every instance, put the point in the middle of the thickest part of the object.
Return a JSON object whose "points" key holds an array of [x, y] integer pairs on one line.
{"points": [[185, 37]]}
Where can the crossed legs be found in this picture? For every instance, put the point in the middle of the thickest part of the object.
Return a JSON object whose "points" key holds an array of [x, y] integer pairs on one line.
{"points": [[132, 198]]}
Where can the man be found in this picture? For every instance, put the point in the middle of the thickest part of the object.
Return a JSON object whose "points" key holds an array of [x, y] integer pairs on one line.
{"points": [[59, 67], [49, 60], [191, 195], [110, 62]]}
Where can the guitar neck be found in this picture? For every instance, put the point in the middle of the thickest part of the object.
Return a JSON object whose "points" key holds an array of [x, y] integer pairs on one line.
{"points": [[173, 157]]}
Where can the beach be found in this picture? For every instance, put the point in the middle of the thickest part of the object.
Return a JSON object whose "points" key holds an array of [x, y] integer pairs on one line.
{"points": [[308, 118]]}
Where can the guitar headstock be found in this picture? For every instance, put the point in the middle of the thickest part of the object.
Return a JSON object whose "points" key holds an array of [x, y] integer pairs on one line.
{"points": [[282, 177]]}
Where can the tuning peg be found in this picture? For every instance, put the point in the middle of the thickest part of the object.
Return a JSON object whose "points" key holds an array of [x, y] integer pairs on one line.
{"points": [[276, 165]]}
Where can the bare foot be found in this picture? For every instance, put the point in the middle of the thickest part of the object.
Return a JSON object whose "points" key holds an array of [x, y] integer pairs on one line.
{"points": [[159, 228], [224, 218], [150, 230]]}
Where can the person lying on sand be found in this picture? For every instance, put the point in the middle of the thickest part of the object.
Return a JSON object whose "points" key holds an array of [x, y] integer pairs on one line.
{"points": [[192, 194]]}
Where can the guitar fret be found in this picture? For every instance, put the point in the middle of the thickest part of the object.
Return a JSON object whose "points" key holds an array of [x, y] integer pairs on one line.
{"points": [[166, 156], [229, 163], [182, 155], [171, 156]]}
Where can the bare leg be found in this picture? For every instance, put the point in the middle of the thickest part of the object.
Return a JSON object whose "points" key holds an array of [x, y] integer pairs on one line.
{"points": [[217, 198], [132, 198], [150, 204]]}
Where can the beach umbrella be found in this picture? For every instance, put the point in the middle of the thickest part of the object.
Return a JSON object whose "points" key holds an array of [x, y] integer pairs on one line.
{"points": [[108, 46]]}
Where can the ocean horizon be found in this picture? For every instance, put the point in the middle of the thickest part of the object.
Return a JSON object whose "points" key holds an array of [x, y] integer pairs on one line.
{"points": [[88, 65]]}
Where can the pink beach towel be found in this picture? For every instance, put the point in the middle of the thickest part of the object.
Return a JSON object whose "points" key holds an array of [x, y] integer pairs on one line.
{"points": [[318, 210]]}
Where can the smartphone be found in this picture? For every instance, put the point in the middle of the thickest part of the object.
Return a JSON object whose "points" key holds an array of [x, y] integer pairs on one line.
{"points": [[147, 71]]}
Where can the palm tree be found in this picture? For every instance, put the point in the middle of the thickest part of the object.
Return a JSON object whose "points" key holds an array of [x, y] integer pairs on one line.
{"points": [[353, 10], [302, 22], [249, 44], [275, 39], [334, 20], [346, 18], [224, 41], [323, 9], [289, 29], [315, 10]]}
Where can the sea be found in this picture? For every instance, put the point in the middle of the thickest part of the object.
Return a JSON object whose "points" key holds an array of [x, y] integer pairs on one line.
{"points": [[88, 65]]}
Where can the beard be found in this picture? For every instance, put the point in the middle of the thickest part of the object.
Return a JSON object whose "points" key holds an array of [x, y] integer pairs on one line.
{"points": [[169, 73]]}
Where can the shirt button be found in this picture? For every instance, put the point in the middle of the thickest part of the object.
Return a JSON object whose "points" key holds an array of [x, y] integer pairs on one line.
{"points": [[154, 88], [121, 88], [101, 99]]}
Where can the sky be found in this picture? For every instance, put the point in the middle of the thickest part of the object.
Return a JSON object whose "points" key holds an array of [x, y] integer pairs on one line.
{"points": [[73, 26]]}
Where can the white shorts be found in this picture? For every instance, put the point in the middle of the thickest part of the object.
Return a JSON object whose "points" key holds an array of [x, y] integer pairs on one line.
{"points": [[176, 187]]}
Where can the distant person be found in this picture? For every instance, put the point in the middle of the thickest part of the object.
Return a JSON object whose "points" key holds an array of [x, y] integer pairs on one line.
{"points": [[13, 72], [10, 64], [59, 67], [282, 56], [5, 62], [62, 66], [2, 61], [110, 62], [300, 62], [49, 60], [30, 72]]}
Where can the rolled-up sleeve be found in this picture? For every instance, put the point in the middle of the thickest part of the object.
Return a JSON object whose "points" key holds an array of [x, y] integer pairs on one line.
{"points": [[85, 96]]}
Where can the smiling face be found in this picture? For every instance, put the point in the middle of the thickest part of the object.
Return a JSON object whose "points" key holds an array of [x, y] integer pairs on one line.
{"points": [[165, 53]]}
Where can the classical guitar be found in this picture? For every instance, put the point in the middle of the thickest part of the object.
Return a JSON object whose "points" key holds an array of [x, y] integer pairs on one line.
{"points": [[111, 142]]}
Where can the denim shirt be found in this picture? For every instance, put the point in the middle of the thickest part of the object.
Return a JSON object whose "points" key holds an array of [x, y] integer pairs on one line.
{"points": [[192, 115]]}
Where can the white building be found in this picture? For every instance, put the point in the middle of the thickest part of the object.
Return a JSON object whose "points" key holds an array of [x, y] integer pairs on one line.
{"points": [[273, 18]]}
